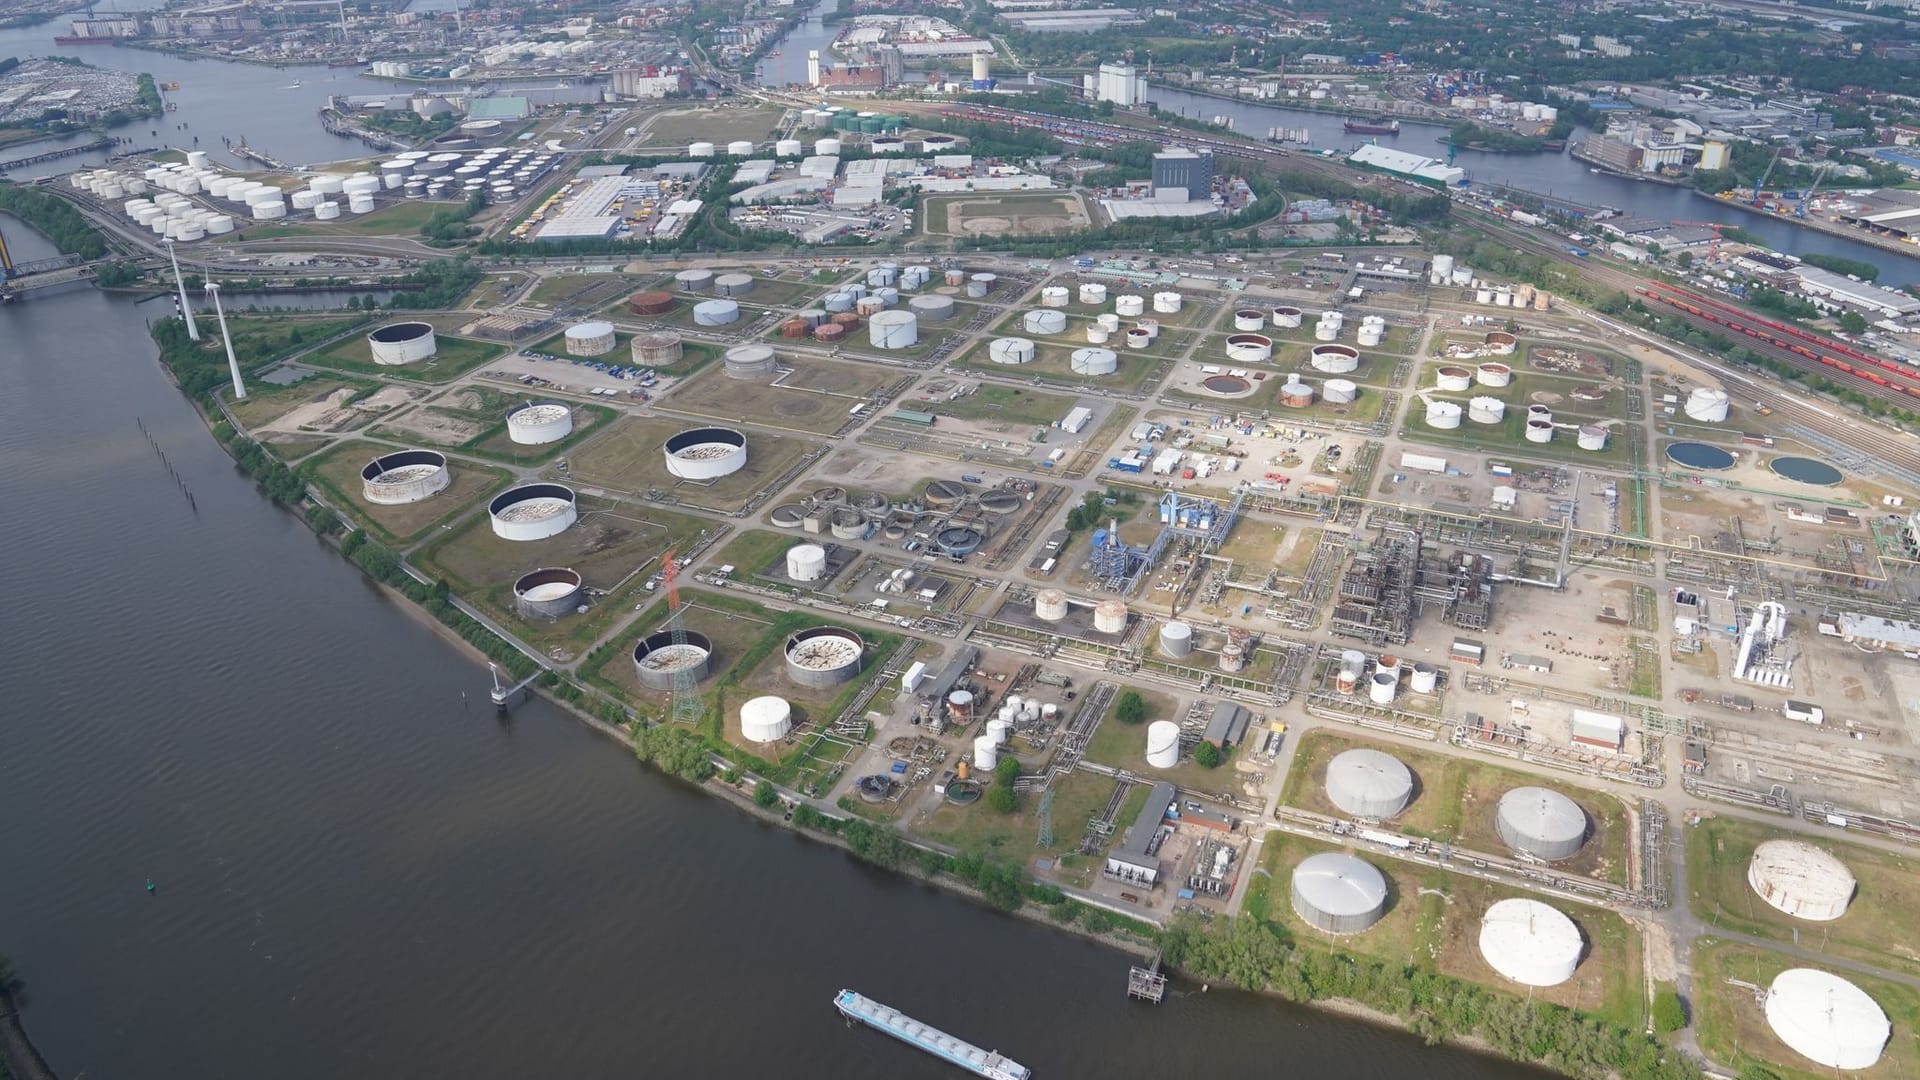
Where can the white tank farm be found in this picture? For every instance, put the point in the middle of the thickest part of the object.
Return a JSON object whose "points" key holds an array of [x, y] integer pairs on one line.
{"points": [[1591, 437], [1827, 1019], [765, 719], [590, 338], [539, 423], [706, 453], [305, 199], [1442, 414], [361, 184], [404, 476], [1129, 305], [360, 204], [1010, 350], [533, 511], [716, 313], [1163, 744], [401, 343], [327, 183], [733, 284], [1287, 318], [1249, 348], [1050, 605], [1054, 296], [1110, 617], [1167, 303], [268, 211], [1486, 410], [894, 330], [806, 562], [1493, 374], [1800, 879], [1093, 292], [1707, 406], [1369, 783], [1338, 893], [1044, 322], [749, 362], [1530, 943], [1541, 822], [1340, 391], [1092, 361], [986, 754], [932, 307], [1176, 639], [326, 210]]}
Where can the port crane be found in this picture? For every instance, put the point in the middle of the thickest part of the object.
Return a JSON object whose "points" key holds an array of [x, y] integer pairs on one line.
{"points": [[1762, 182], [1806, 197]]}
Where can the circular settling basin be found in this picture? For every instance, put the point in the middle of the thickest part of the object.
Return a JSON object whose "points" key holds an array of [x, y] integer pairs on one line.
{"points": [[1695, 455], [963, 792], [1802, 470], [1226, 384]]}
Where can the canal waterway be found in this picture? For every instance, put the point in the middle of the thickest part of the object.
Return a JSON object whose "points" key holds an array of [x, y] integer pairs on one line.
{"points": [[789, 68], [360, 870]]}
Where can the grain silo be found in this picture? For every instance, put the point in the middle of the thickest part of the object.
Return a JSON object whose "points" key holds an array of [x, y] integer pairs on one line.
{"points": [[1800, 879], [1827, 1019], [1541, 822], [1338, 893], [1369, 784], [1530, 943]]}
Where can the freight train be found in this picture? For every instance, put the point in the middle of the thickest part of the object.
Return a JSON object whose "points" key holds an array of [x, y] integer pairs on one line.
{"points": [[1896, 378]]}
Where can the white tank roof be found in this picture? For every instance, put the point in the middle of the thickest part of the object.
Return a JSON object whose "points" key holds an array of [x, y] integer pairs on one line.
{"points": [[1827, 1019], [1800, 879], [1530, 943]]}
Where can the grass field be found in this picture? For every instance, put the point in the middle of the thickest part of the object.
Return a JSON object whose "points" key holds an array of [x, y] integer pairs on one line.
{"points": [[260, 339], [753, 551], [704, 123], [1733, 1028], [816, 397], [401, 218], [1005, 214], [1077, 799], [1124, 746], [628, 457], [1875, 930], [453, 356], [1008, 404], [1455, 800], [338, 472], [574, 289]]}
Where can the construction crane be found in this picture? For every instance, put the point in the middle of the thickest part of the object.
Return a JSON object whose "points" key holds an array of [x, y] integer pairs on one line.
{"points": [[687, 708], [1762, 182], [1806, 197], [1713, 251]]}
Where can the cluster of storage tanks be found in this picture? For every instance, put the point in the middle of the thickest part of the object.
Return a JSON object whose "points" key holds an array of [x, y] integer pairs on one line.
{"points": [[421, 174], [1016, 709], [160, 199], [1512, 296], [1382, 677]]}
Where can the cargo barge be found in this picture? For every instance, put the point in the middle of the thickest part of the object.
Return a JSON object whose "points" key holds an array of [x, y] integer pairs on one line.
{"points": [[884, 1018], [1376, 126]]}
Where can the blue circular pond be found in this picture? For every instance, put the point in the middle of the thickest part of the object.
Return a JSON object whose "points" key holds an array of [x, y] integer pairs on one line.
{"points": [[1695, 455]]}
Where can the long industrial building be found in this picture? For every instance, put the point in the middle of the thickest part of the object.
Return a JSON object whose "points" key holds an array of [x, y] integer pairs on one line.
{"points": [[1387, 159]]}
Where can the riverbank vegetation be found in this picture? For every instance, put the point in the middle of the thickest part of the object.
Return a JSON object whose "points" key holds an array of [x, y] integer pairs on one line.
{"points": [[54, 217], [1471, 136]]}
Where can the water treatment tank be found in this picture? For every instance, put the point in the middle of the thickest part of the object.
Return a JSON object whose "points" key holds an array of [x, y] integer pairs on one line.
{"points": [[1369, 783], [1707, 406], [1442, 414], [1827, 1019], [1530, 943], [1176, 639], [1045, 322], [1541, 822], [1129, 305], [1093, 362], [1050, 605], [1800, 879], [806, 562], [1110, 617], [765, 719], [1163, 744], [1338, 893]]}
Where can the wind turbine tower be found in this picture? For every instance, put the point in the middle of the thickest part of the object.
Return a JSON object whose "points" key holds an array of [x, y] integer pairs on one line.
{"points": [[233, 365], [186, 309]]}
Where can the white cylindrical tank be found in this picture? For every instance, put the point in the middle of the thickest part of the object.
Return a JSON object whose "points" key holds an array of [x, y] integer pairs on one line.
{"points": [[1371, 333], [1167, 303], [740, 148], [789, 148], [1325, 331], [1382, 686], [1486, 410], [894, 330], [360, 204], [1800, 879], [1592, 437], [1138, 338], [219, 224], [716, 312], [1369, 784], [589, 338], [1044, 322], [1332, 359], [1094, 362], [765, 719], [1129, 305], [1339, 893], [705, 453], [539, 423], [735, 284], [1483, 296], [326, 210], [533, 511], [402, 343], [1110, 617], [806, 562], [986, 754], [1442, 414], [1340, 391], [1010, 350], [1050, 604], [1107, 321], [1530, 943], [1163, 744], [1098, 335], [1093, 292], [268, 211], [1707, 406], [1287, 318], [1442, 270], [1426, 678], [1176, 639], [1827, 1019], [1493, 374], [826, 147], [1453, 379], [327, 183], [1539, 431], [361, 184], [1054, 296], [932, 306], [1541, 822], [1000, 731], [700, 150]]}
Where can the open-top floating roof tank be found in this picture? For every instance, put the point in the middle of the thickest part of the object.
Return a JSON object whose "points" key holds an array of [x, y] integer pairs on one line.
{"points": [[539, 423], [1804, 881], [1334, 359], [533, 511], [1541, 822], [1338, 893], [656, 658], [1453, 378], [1827, 1019], [548, 593], [706, 453], [405, 476], [1369, 784], [1530, 943], [824, 656], [401, 343]]}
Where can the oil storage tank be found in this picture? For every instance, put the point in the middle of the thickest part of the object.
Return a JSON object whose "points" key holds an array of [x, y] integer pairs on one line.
{"points": [[532, 511], [765, 719], [1530, 943], [822, 657], [1050, 604], [1010, 350], [593, 338], [716, 313], [749, 362], [1092, 361], [1369, 784], [1442, 414], [806, 562], [1176, 639], [401, 343], [1163, 744], [706, 453], [1827, 1019], [659, 348], [657, 658], [548, 593], [1044, 322], [933, 307], [539, 423], [405, 476], [894, 330], [1338, 893], [1707, 406], [1801, 880], [1541, 822]]}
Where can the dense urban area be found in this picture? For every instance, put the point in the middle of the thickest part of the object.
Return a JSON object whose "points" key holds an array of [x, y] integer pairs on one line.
{"points": [[1310, 559]]}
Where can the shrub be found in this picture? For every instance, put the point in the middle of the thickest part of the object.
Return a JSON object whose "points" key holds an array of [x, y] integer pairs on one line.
{"points": [[1669, 1012], [1131, 708], [1207, 756]]}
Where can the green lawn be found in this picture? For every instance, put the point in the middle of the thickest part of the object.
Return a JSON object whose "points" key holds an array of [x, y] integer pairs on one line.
{"points": [[338, 473], [1014, 404], [453, 357]]}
